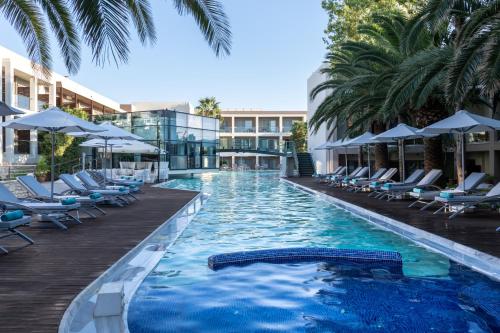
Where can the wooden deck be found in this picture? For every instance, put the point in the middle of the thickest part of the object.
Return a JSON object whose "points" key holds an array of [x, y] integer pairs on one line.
{"points": [[38, 282], [474, 230]]}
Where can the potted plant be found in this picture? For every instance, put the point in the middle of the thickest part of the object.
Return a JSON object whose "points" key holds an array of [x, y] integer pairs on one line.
{"points": [[42, 171]]}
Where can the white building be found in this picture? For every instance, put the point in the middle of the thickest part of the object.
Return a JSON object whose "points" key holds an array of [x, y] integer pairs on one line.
{"points": [[26, 88], [323, 159], [252, 129]]}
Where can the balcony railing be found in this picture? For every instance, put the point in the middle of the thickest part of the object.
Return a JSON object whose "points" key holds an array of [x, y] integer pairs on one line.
{"points": [[22, 102], [227, 129], [244, 129], [287, 129], [268, 129]]}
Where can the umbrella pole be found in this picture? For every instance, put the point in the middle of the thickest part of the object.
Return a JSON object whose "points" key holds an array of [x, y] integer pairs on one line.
{"points": [[105, 160], [403, 157], [52, 164], [111, 158], [369, 165], [346, 167], [462, 135]]}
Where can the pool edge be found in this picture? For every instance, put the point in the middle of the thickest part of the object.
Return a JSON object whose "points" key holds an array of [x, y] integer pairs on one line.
{"points": [[91, 290], [479, 261]]}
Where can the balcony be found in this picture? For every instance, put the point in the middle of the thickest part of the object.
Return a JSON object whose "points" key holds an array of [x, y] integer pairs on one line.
{"points": [[244, 129], [269, 129], [225, 129], [287, 129], [22, 101]]}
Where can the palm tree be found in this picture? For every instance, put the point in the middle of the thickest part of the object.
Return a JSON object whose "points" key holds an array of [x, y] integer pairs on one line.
{"points": [[208, 107], [104, 26], [360, 74], [460, 69]]}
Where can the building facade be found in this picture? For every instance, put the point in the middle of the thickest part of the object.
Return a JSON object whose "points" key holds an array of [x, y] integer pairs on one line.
{"points": [[482, 149], [252, 129], [26, 88], [187, 141]]}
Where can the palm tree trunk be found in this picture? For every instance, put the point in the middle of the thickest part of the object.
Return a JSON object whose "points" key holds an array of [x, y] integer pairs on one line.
{"points": [[433, 149], [380, 151]]}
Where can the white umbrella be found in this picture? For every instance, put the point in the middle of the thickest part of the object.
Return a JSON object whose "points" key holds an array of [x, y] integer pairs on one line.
{"points": [[363, 139], [52, 120], [109, 132], [460, 123], [341, 143], [324, 146], [400, 133]]}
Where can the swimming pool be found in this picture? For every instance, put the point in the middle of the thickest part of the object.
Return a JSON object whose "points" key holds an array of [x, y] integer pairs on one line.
{"points": [[254, 210]]}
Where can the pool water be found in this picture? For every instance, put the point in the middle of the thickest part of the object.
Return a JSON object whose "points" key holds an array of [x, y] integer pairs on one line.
{"points": [[254, 210]]}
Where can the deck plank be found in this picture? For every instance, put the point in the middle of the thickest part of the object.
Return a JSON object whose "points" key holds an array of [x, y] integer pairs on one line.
{"points": [[474, 230], [38, 282]]}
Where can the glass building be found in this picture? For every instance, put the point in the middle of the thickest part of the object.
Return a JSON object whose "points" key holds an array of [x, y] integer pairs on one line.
{"points": [[189, 141]]}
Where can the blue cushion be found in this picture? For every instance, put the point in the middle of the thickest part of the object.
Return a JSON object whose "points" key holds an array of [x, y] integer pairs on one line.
{"points": [[95, 196], [122, 189], [68, 201], [418, 190], [446, 195], [11, 216], [387, 186], [375, 183]]}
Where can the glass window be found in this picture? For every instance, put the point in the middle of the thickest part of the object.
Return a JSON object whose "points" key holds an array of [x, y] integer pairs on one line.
{"points": [[146, 132], [195, 134], [22, 93], [195, 121], [209, 149], [21, 142], [209, 135], [210, 123], [179, 119], [178, 133]]}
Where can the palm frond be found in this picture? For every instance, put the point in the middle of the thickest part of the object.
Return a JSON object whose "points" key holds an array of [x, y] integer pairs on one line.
{"points": [[140, 11], [212, 21], [67, 37], [27, 20]]}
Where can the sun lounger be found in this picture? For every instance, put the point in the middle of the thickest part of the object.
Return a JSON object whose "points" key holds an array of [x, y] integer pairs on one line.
{"points": [[393, 190], [334, 180], [358, 180], [328, 178], [91, 184], [376, 187], [319, 177], [40, 192], [361, 174], [464, 202], [426, 196], [55, 212], [9, 227], [385, 177], [133, 184], [115, 197]]}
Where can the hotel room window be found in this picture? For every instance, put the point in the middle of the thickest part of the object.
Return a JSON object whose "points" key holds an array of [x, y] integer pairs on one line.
{"points": [[21, 142]]}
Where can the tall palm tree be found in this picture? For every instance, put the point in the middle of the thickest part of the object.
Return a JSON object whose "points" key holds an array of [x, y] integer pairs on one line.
{"points": [[461, 67], [104, 25], [360, 74], [208, 107]]}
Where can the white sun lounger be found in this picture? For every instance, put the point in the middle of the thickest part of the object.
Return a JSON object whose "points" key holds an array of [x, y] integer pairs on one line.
{"points": [[469, 201], [361, 173], [376, 187], [365, 184], [9, 228], [334, 180], [424, 195], [91, 184], [40, 192], [394, 190], [112, 196], [53, 211]]}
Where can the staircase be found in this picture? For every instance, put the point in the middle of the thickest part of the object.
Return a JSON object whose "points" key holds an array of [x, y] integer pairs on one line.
{"points": [[306, 166]]}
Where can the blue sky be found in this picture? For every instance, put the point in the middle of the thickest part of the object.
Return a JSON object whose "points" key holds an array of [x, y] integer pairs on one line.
{"points": [[277, 44]]}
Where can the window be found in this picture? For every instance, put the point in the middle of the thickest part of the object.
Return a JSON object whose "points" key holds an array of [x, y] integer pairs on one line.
{"points": [[22, 93], [22, 141]]}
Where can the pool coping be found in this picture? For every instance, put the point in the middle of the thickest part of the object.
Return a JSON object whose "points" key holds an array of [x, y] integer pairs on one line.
{"points": [[479, 261], [130, 270]]}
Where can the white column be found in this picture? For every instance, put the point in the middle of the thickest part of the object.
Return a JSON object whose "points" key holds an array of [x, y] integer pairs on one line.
{"points": [[257, 130], [256, 161], [33, 94], [1, 90], [9, 100], [52, 94]]}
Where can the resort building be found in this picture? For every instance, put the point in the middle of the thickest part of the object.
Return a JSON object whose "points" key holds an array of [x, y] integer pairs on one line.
{"points": [[482, 149], [188, 142], [244, 130], [26, 88]]}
